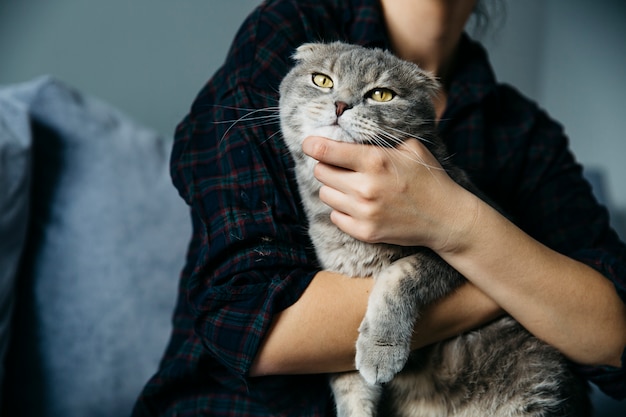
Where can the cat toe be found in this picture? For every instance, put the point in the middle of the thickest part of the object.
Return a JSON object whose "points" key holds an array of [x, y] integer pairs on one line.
{"points": [[379, 362]]}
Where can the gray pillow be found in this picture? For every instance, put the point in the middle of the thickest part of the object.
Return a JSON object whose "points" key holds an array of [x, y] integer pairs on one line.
{"points": [[107, 242], [14, 201]]}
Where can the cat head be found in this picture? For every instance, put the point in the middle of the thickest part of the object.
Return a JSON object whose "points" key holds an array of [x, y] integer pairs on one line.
{"points": [[355, 94]]}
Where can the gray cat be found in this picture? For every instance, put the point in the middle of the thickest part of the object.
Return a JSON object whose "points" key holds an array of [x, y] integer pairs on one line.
{"points": [[350, 93]]}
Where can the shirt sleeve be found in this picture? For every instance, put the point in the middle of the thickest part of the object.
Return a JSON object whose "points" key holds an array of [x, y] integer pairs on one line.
{"points": [[252, 256], [554, 203], [252, 260]]}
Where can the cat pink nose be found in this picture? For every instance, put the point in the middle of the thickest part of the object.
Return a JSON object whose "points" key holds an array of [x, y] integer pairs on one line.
{"points": [[340, 107]]}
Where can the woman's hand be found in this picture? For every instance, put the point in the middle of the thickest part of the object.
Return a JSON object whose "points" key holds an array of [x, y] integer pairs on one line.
{"points": [[400, 196]]}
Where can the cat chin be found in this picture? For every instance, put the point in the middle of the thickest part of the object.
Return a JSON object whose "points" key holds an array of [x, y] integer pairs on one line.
{"points": [[331, 132]]}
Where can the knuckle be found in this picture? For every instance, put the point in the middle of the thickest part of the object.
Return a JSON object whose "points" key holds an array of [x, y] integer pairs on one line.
{"points": [[376, 161], [368, 190], [371, 212], [318, 150], [369, 229], [369, 234]]}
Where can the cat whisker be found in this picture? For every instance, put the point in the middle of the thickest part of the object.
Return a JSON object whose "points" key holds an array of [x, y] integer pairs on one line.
{"points": [[384, 139], [421, 161], [247, 119], [271, 136], [410, 155], [272, 109], [250, 116], [394, 140], [221, 106], [410, 135]]}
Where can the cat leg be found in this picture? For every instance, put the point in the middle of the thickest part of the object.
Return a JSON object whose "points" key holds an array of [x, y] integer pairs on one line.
{"points": [[399, 294], [383, 345], [354, 397]]}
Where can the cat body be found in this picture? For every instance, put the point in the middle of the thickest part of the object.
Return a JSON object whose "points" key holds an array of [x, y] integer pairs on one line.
{"points": [[350, 93]]}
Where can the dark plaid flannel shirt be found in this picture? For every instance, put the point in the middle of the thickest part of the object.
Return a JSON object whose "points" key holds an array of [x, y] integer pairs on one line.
{"points": [[249, 257]]}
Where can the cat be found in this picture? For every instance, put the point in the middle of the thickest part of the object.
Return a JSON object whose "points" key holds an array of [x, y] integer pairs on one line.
{"points": [[356, 94]]}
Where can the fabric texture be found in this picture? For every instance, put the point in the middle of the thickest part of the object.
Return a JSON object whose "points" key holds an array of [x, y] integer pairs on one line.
{"points": [[250, 257], [106, 244], [15, 173]]}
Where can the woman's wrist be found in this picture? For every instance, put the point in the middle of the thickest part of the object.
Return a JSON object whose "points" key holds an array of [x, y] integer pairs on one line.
{"points": [[458, 219], [575, 309]]}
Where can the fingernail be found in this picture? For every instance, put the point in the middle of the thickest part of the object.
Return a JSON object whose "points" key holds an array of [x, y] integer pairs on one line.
{"points": [[307, 144]]}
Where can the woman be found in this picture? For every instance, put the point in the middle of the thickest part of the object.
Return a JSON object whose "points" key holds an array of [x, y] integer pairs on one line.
{"points": [[258, 323]]}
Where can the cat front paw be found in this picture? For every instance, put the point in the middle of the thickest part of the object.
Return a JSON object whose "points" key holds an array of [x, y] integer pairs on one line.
{"points": [[379, 359]]}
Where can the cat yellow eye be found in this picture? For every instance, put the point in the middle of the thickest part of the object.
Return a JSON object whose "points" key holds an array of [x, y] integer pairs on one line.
{"points": [[382, 95], [323, 81]]}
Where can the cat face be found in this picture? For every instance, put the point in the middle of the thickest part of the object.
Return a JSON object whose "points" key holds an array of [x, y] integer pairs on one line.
{"points": [[350, 93]]}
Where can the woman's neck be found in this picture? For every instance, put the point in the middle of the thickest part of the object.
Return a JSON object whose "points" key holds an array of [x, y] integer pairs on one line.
{"points": [[427, 32]]}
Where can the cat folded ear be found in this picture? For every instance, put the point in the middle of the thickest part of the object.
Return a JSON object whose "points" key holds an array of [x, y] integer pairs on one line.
{"points": [[317, 50], [429, 82], [307, 50]]}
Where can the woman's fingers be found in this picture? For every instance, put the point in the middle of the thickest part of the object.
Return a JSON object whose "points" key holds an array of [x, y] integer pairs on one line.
{"points": [[395, 195], [340, 154]]}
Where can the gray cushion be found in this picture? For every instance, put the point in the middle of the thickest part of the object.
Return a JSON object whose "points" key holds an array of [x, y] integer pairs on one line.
{"points": [[107, 242], [14, 202]]}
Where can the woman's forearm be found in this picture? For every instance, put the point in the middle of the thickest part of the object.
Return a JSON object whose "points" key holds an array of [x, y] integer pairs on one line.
{"points": [[318, 333], [562, 301], [465, 309]]}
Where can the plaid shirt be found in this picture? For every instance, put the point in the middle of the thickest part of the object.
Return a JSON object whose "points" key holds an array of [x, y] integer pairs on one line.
{"points": [[250, 257]]}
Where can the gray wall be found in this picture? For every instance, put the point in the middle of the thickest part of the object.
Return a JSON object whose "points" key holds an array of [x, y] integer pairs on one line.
{"points": [[147, 57], [570, 56]]}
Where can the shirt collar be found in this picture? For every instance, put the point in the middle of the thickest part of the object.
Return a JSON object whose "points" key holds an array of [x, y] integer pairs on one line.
{"points": [[472, 78]]}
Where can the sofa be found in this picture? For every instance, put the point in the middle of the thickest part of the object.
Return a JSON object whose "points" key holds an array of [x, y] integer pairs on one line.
{"points": [[92, 240]]}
